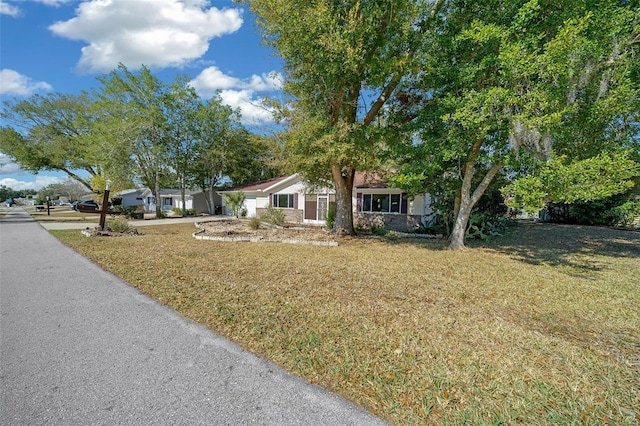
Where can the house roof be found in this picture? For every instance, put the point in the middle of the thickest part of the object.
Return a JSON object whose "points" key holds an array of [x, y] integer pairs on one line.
{"points": [[369, 180], [360, 180], [132, 191], [174, 192], [263, 185], [169, 192]]}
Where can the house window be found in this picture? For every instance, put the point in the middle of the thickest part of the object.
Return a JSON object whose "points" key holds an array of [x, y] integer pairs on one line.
{"points": [[283, 201], [394, 206], [167, 202], [382, 203], [366, 203]]}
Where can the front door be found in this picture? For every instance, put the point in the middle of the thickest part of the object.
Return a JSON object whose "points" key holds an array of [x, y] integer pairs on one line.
{"points": [[323, 207]]}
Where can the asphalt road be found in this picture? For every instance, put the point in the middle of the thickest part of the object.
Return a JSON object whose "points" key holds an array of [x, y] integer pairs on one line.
{"points": [[79, 346]]}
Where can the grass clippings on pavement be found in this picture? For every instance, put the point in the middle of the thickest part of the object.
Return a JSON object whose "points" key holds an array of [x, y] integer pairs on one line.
{"points": [[541, 326]]}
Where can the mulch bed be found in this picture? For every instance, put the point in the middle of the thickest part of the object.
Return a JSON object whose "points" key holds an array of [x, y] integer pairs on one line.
{"points": [[98, 233], [240, 231]]}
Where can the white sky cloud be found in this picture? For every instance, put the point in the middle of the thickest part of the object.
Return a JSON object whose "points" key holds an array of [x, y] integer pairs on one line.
{"points": [[252, 109], [238, 93], [39, 183], [211, 79], [54, 3], [156, 33], [35, 182], [8, 9], [14, 83], [7, 165]]}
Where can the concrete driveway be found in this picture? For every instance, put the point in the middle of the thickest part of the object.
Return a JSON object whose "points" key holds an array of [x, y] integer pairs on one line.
{"points": [[80, 346]]}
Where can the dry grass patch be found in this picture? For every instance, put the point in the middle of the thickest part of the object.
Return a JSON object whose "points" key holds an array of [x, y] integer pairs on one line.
{"points": [[540, 327]]}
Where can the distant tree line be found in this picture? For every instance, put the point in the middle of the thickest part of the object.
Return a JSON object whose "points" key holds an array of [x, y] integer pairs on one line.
{"points": [[136, 130], [7, 193]]}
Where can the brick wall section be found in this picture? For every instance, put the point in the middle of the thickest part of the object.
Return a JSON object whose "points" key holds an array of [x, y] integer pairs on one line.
{"points": [[399, 222], [290, 215]]}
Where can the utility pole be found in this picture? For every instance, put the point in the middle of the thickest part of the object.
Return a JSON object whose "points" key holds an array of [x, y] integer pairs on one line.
{"points": [[105, 206]]}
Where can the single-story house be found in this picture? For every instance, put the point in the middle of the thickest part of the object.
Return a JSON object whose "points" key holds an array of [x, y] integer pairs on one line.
{"points": [[289, 193], [24, 201], [374, 203], [132, 197], [169, 198]]}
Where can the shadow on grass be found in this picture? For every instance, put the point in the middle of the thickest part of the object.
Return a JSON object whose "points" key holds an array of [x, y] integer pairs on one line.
{"points": [[573, 246]]}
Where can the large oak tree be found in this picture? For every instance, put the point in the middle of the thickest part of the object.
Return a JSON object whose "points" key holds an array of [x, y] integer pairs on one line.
{"points": [[505, 86]]}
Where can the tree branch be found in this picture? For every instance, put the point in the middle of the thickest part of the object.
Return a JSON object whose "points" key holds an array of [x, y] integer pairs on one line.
{"points": [[395, 80], [480, 189]]}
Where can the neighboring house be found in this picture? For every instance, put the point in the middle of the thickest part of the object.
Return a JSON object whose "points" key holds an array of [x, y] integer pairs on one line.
{"points": [[375, 205], [24, 201], [169, 198], [132, 197]]}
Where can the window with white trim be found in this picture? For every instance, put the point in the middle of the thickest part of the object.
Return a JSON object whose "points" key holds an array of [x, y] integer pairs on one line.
{"points": [[382, 203], [283, 201]]}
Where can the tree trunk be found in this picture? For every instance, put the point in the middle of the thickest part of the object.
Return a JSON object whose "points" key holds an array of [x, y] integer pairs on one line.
{"points": [[468, 201], [183, 196], [156, 193], [456, 241], [462, 209], [343, 181], [210, 201]]}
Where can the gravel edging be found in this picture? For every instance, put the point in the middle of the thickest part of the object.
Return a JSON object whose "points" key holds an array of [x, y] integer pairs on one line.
{"points": [[419, 236]]}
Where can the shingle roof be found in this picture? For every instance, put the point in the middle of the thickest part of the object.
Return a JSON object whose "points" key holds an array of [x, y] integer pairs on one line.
{"points": [[260, 185], [369, 180], [360, 180]]}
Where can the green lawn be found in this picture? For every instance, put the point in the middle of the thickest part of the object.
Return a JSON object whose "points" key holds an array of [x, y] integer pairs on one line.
{"points": [[541, 326]]}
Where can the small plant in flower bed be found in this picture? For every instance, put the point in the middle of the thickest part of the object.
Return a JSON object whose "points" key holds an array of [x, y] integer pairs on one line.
{"points": [[485, 226], [117, 225], [177, 211], [274, 216], [254, 223]]}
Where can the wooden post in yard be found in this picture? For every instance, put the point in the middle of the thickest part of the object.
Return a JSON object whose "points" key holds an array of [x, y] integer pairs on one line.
{"points": [[105, 206]]}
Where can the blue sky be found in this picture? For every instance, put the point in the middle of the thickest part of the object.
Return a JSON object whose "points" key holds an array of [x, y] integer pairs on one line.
{"points": [[63, 45]]}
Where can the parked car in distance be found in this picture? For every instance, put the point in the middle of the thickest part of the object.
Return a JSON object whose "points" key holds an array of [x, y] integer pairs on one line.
{"points": [[86, 205]]}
